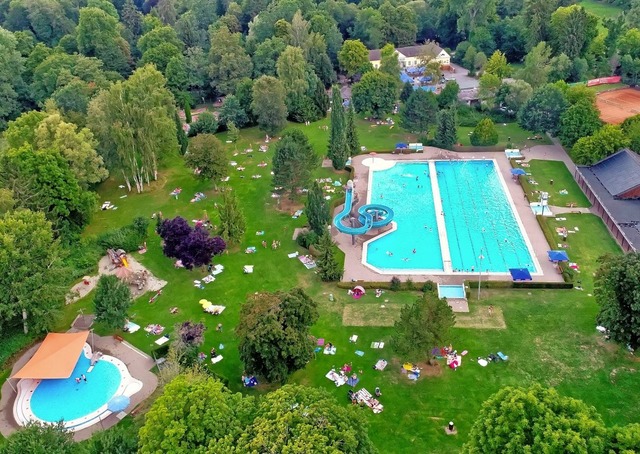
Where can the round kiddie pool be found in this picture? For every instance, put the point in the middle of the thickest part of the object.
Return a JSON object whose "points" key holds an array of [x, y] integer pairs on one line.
{"points": [[78, 403]]}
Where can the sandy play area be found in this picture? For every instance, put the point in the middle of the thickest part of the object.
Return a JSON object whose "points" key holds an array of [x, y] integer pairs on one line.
{"points": [[82, 288]]}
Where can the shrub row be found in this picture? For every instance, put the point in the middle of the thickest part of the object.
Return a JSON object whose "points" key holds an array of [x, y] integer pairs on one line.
{"points": [[523, 284], [129, 237]]}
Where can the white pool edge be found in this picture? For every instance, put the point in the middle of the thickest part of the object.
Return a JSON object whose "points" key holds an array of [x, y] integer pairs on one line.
{"points": [[23, 414], [442, 272]]}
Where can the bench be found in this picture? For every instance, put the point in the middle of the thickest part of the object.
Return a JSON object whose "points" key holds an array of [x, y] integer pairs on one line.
{"points": [[118, 338]]}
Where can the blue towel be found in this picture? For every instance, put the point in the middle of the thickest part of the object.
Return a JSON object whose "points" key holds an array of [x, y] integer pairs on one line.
{"points": [[221, 347], [317, 349], [359, 353]]}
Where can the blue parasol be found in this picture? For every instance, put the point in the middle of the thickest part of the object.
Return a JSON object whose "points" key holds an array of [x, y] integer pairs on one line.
{"points": [[118, 403], [558, 256], [518, 172]]}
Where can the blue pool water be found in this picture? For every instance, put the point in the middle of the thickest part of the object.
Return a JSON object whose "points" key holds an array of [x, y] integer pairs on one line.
{"points": [[479, 220], [451, 291], [54, 400], [414, 212]]}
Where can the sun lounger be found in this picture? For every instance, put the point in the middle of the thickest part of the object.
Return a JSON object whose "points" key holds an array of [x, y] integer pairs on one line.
{"points": [[293, 255], [248, 269], [163, 340], [353, 338], [217, 359], [502, 356]]}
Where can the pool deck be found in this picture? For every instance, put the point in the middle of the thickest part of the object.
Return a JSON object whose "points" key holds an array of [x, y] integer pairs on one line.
{"points": [[138, 363], [355, 270]]}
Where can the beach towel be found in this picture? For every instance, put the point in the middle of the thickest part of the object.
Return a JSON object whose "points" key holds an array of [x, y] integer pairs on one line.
{"points": [[352, 381], [217, 359], [131, 327], [380, 365], [330, 351], [359, 353], [353, 338], [293, 255], [163, 340]]}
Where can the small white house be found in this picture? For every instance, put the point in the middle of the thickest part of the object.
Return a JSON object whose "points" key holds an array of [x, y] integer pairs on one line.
{"points": [[410, 56]]}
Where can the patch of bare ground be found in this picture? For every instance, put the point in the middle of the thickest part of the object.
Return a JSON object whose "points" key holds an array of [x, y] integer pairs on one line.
{"points": [[371, 315], [481, 317]]}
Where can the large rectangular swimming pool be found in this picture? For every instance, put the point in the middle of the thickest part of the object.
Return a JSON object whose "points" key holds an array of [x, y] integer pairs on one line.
{"points": [[479, 231]]}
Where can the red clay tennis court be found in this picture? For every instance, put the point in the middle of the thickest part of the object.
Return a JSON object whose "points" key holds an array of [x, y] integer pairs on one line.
{"points": [[618, 105]]}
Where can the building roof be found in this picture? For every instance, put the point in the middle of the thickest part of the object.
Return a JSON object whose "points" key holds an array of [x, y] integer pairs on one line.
{"points": [[56, 357], [619, 172], [625, 213], [410, 51]]}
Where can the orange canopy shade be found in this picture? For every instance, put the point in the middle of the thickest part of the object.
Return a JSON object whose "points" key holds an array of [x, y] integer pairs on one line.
{"points": [[56, 358]]}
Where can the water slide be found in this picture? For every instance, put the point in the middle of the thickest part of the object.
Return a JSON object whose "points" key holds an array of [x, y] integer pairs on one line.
{"points": [[370, 216]]}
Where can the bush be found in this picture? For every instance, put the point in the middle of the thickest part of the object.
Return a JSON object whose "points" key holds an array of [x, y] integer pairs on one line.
{"points": [[396, 284], [485, 133], [205, 124], [468, 116], [429, 286], [409, 285], [83, 258], [129, 237], [307, 239]]}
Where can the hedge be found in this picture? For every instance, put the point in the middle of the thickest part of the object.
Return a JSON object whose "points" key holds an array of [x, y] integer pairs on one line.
{"points": [[523, 284]]}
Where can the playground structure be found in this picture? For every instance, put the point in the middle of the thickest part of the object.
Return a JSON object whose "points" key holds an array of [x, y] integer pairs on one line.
{"points": [[118, 257], [369, 215]]}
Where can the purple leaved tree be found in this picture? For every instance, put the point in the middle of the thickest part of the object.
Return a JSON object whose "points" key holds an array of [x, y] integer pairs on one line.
{"points": [[198, 248], [174, 232], [191, 333]]}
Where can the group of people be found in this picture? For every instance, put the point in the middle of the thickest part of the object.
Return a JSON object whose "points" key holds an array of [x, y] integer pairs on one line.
{"points": [[81, 378]]}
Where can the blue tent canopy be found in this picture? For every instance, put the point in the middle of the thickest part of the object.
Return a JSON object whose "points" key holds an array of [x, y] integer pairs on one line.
{"points": [[518, 171], [404, 77], [428, 88], [558, 256], [520, 274], [402, 145]]}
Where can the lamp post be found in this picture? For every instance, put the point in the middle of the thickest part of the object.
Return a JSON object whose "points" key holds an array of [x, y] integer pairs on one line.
{"points": [[481, 258]]}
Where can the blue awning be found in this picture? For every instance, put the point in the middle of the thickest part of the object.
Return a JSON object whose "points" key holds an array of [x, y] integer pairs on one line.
{"points": [[402, 145], [520, 274], [518, 171], [558, 256], [404, 77]]}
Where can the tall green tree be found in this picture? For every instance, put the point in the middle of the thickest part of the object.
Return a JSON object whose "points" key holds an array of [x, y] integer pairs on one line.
{"points": [[293, 162], [375, 94], [317, 209], [291, 68], [536, 67], [446, 128], [488, 89], [422, 325], [181, 136], [602, 143], [98, 35], [328, 267], [195, 413], [485, 133], [228, 60], [354, 57], [299, 419], [117, 440], [449, 94], [572, 29], [514, 94], [631, 129], [31, 271], [542, 112], [554, 423], [418, 114], [497, 65], [338, 149], [134, 124], [268, 104], [112, 301], [351, 132], [11, 81], [389, 61], [40, 438], [273, 333], [232, 221], [208, 155], [580, 120], [617, 292], [232, 112]]}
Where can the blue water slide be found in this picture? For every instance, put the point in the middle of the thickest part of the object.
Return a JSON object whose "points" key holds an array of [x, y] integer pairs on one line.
{"points": [[370, 216]]}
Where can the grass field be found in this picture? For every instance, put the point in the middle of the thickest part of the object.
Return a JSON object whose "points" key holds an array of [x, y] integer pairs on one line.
{"points": [[518, 136], [543, 172], [549, 335], [600, 9]]}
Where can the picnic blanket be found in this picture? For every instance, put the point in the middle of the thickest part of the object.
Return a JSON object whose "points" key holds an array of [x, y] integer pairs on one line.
{"points": [[217, 359], [215, 310], [380, 364], [307, 261], [217, 270], [163, 340], [337, 378], [353, 381], [131, 327], [154, 329], [330, 351], [293, 255], [208, 279], [365, 396], [377, 344], [359, 353]]}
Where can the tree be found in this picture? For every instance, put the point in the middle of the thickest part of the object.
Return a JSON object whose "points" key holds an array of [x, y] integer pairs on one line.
{"points": [[554, 423], [375, 94], [232, 112], [572, 29], [418, 114], [273, 333], [351, 132], [632, 17], [291, 68], [389, 60], [98, 35], [11, 82], [40, 438], [205, 124], [536, 66], [268, 104], [628, 43], [195, 413], [293, 162], [191, 333], [317, 209], [422, 325], [295, 418], [472, 14], [177, 78], [446, 128], [631, 129], [616, 292], [449, 95], [194, 247], [232, 221], [543, 110], [407, 89], [580, 120], [116, 440], [602, 143], [488, 89], [630, 70], [233, 133], [31, 271], [181, 136], [354, 57], [328, 267], [338, 149], [135, 126], [111, 301], [517, 93], [369, 27], [266, 55], [228, 60], [485, 133], [173, 233], [497, 65], [207, 156], [157, 36]]}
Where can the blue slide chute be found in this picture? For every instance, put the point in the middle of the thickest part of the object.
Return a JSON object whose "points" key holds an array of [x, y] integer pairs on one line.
{"points": [[370, 216]]}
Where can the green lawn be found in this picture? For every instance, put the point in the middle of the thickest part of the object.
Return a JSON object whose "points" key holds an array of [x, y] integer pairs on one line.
{"points": [[600, 88], [549, 336], [543, 172], [519, 137], [600, 9]]}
